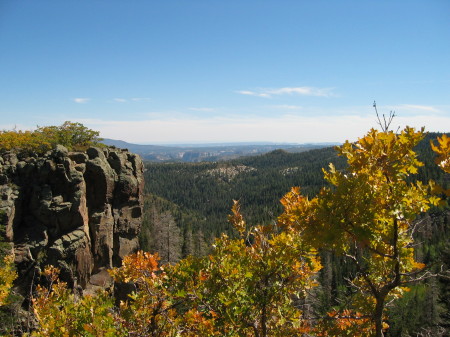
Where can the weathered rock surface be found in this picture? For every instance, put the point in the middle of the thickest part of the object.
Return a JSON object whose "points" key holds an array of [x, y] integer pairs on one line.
{"points": [[78, 211]]}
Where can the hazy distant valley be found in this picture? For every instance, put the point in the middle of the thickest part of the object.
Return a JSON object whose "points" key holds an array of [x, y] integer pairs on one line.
{"points": [[208, 152]]}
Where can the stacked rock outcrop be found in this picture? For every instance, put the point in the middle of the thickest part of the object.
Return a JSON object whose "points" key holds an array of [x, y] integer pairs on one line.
{"points": [[78, 211]]}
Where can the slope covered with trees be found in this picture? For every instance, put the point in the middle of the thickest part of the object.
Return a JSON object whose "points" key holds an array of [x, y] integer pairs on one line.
{"points": [[205, 191], [199, 195], [263, 282]]}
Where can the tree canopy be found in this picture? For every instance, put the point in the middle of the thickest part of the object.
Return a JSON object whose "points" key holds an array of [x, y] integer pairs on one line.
{"points": [[74, 136], [367, 216]]}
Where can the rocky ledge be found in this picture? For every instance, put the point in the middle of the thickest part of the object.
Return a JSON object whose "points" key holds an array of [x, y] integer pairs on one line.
{"points": [[78, 211]]}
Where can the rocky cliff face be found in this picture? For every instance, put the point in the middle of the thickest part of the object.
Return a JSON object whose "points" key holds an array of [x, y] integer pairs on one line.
{"points": [[79, 211]]}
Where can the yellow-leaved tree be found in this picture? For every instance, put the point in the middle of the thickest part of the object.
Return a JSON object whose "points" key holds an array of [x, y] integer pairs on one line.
{"points": [[367, 217]]}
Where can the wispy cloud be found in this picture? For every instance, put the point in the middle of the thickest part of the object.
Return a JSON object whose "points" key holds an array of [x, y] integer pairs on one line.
{"points": [[140, 99], [418, 107], [302, 91], [414, 109], [202, 109], [287, 107], [81, 100], [120, 100], [133, 99], [253, 93]]}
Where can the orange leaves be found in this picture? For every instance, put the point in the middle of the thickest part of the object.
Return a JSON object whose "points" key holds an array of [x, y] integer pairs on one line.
{"points": [[197, 324], [345, 323], [442, 149], [418, 265], [149, 309], [51, 273], [145, 261], [136, 266], [236, 218]]}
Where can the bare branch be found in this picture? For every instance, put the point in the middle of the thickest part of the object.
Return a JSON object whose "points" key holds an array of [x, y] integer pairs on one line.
{"points": [[385, 124]]}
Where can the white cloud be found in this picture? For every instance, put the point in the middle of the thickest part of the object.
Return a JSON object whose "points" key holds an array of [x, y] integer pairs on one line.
{"points": [[302, 91], [287, 107], [253, 93], [202, 109], [120, 100], [417, 107], [81, 100]]}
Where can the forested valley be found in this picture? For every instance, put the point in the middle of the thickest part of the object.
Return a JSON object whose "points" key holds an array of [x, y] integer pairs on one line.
{"points": [[187, 206], [197, 197]]}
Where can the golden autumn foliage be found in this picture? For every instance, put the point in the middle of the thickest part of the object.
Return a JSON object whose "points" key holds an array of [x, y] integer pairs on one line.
{"points": [[7, 276], [443, 151], [74, 136], [245, 287], [366, 216], [62, 314]]}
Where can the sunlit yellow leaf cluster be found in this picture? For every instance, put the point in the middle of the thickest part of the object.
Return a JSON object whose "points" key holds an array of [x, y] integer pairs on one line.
{"points": [[7, 277], [442, 149], [60, 313]]}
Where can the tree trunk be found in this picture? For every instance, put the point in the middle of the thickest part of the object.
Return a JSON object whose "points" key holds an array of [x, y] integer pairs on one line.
{"points": [[378, 316], [264, 321]]}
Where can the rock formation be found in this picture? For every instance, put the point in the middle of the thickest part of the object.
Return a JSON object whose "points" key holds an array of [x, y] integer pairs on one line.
{"points": [[79, 211]]}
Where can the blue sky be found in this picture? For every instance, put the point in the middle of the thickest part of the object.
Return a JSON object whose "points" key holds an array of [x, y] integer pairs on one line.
{"points": [[225, 71]]}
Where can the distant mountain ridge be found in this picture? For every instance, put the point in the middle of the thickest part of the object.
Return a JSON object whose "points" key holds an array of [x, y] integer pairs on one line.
{"points": [[208, 152]]}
